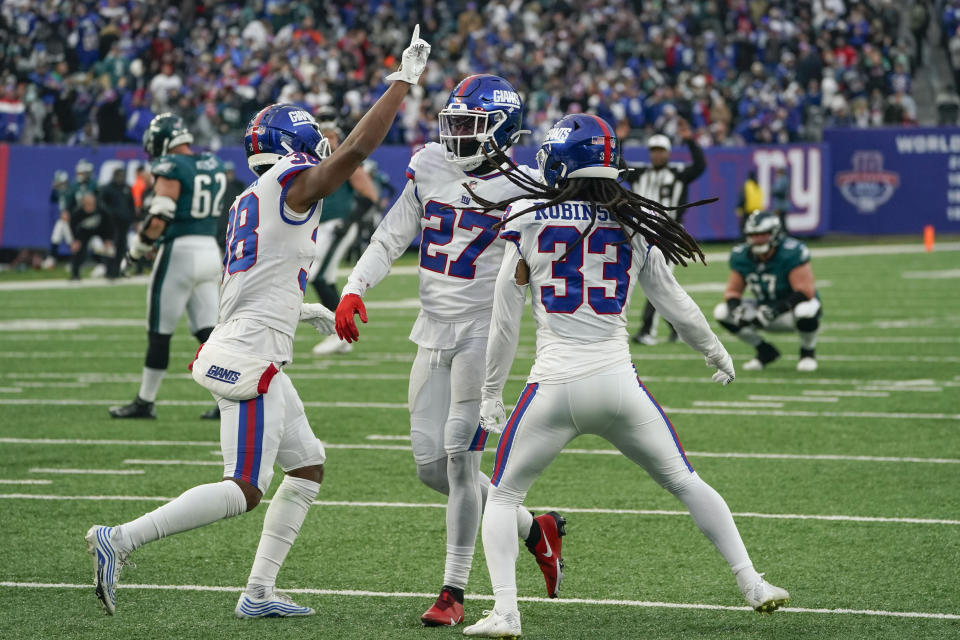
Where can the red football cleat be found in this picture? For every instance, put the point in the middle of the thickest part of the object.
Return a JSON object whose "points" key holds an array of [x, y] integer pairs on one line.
{"points": [[446, 611], [547, 550]]}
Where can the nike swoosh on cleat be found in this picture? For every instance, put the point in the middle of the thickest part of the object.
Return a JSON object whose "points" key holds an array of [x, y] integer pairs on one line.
{"points": [[549, 553]]}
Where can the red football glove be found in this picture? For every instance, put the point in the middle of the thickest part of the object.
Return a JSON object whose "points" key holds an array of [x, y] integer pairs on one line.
{"points": [[349, 305]]}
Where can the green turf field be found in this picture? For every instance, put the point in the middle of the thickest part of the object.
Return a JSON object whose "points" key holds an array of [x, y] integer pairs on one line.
{"points": [[844, 482]]}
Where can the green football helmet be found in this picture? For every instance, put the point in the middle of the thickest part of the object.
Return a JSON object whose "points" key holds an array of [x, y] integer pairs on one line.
{"points": [[763, 222], [165, 132]]}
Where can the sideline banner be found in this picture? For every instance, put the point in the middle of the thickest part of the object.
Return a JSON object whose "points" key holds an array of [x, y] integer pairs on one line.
{"points": [[894, 180], [27, 214]]}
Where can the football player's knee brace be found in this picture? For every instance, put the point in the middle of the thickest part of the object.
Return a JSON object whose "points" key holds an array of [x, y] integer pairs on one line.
{"points": [[203, 334], [434, 475], [158, 350], [807, 315]]}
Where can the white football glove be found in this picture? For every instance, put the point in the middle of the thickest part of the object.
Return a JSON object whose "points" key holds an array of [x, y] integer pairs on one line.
{"points": [[138, 248], [723, 363], [493, 417], [413, 60], [317, 315]]}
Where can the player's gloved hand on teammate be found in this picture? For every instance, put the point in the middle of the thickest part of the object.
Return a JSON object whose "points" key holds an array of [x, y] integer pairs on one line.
{"points": [[723, 363], [765, 315], [493, 417], [319, 317], [350, 304], [413, 60]]}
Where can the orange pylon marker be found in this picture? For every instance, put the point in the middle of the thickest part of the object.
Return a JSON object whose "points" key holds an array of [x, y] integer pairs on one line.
{"points": [[928, 235]]}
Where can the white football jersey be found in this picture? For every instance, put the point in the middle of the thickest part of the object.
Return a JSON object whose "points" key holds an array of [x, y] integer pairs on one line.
{"points": [[459, 252], [269, 248], [580, 303]]}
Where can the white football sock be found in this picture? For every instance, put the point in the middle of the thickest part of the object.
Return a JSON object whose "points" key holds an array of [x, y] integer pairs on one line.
{"points": [[193, 508], [712, 515], [150, 383], [501, 546], [285, 516], [463, 516], [808, 339], [524, 517]]}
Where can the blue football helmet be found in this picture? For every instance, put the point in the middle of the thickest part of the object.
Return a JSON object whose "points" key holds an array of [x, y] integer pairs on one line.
{"points": [[481, 108], [279, 130], [579, 146]]}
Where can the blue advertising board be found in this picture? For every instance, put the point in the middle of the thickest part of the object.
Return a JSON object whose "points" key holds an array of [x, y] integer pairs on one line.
{"points": [[26, 174], [894, 180]]}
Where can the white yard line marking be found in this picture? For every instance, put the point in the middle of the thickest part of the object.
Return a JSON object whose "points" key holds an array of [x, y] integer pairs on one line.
{"points": [[11, 390], [67, 324], [793, 399], [361, 593], [26, 481], [377, 358], [846, 394], [89, 472], [184, 463], [901, 388], [927, 275], [311, 372], [595, 510], [736, 405], [696, 410], [705, 454]]}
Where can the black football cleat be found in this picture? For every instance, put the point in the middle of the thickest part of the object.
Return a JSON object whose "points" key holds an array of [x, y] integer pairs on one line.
{"points": [[211, 414], [136, 409]]}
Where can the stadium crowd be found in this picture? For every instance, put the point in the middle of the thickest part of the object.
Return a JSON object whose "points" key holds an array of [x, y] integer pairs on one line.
{"points": [[740, 71]]}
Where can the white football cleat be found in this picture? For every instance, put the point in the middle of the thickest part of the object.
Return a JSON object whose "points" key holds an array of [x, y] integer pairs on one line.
{"points": [[764, 597], [807, 364], [752, 365], [496, 625], [107, 563], [330, 345], [273, 605]]}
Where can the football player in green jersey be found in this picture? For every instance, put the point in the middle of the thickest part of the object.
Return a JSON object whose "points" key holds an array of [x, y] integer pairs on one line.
{"points": [[777, 270], [182, 222]]}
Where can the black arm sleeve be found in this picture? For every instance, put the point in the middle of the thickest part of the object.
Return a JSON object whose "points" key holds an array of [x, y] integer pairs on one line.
{"points": [[790, 302], [697, 165]]}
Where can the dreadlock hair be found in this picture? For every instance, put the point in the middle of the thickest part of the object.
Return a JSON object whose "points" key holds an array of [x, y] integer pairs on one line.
{"points": [[634, 213]]}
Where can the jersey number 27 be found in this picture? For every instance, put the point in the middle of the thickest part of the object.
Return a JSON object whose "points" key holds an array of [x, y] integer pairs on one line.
{"points": [[433, 258]]}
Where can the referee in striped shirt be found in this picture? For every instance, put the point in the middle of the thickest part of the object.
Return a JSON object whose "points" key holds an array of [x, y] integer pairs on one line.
{"points": [[666, 182]]}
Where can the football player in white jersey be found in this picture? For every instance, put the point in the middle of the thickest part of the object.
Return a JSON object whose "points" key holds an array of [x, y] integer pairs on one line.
{"points": [[459, 258], [580, 243], [270, 246]]}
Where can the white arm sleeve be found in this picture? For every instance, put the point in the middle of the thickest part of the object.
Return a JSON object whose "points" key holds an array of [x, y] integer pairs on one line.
{"points": [[662, 289], [396, 231], [508, 299]]}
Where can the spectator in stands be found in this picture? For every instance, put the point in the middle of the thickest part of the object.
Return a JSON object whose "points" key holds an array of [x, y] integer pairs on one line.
{"points": [[919, 24], [632, 62], [116, 200]]}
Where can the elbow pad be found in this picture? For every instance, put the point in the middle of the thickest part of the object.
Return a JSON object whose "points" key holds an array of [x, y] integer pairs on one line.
{"points": [[163, 207]]}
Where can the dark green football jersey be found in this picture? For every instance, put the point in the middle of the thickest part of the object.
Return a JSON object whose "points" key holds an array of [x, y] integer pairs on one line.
{"points": [[339, 204], [72, 196], [769, 280], [202, 184]]}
